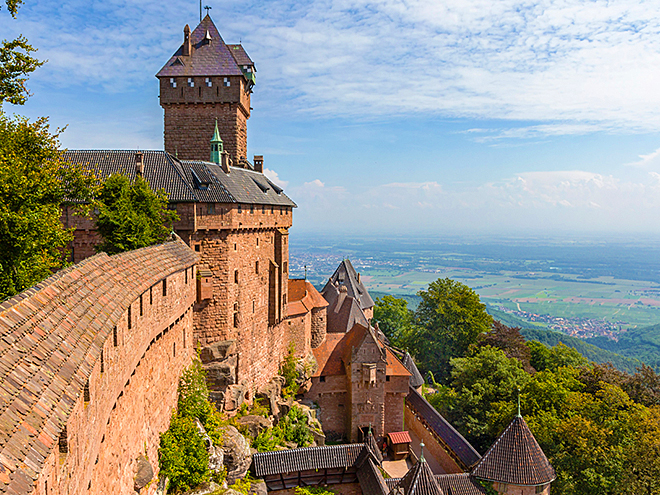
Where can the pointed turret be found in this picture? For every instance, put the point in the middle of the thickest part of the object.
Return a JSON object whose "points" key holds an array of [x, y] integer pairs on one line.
{"points": [[515, 459], [217, 147], [419, 480]]}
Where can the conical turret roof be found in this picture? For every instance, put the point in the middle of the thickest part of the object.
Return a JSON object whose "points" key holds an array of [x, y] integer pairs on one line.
{"points": [[515, 458], [419, 480]]}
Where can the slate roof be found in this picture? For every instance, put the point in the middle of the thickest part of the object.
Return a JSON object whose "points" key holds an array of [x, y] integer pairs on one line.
{"points": [[450, 484], [185, 180], [416, 379], [346, 275], [305, 459], [240, 55], [515, 458], [419, 480], [370, 478], [465, 452], [371, 443], [52, 335], [212, 58], [344, 311]]}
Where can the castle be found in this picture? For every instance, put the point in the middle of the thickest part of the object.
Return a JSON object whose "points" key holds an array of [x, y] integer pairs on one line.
{"points": [[90, 358]]}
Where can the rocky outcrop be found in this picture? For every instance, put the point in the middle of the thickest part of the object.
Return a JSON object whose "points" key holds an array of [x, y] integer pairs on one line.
{"points": [[205, 489], [255, 424], [234, 396], [216, 454], [237, 454], [144, 473], [218, 351], [271, 393], [220, 361]]}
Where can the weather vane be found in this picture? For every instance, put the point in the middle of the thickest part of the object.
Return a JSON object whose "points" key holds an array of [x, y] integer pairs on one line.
{"points": [[207, 9]]}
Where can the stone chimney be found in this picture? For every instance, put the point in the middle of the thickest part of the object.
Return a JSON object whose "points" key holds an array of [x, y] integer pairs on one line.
{"points": [[187, 44], [259, 163], [225, 161], [139, 164]]}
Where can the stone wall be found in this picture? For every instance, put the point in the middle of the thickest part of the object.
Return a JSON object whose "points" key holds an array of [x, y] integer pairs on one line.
{"points": [[520, 490], [332, 398], [431, 442], [340, 489], [127, 331], [396, 390], [319, 326]]}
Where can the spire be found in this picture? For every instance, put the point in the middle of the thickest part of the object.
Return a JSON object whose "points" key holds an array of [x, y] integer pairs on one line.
{"points": [[217, 147], [421, 452], [519, 404]]}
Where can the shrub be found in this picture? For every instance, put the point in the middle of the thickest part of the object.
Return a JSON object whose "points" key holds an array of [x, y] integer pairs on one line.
{"points": [[288, 371]]}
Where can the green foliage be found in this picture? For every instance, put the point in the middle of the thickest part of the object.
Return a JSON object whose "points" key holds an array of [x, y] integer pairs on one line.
{"points": [[182, 454], [34, 183], [288, 371], [448, 320], [394, 319], [131, 215], [292, 428], [589, 351], [243, 485], [15, 64], [509, 340], [636, 343], [543, 357], [12, 6], [313, 490]]}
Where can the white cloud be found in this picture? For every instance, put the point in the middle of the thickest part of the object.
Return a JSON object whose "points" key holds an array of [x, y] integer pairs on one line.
{"points": [[272, 175], [650, 160]]}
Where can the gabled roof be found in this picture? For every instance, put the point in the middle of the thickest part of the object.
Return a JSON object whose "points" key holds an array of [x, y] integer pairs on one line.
{"points": [[346, 275], [416, 380], [515, 458], [306, 458], [370, 442], [344, 312], [451, 484], [207, 58], [370, 478], [185, 180], [419, 480], [239, 54]]}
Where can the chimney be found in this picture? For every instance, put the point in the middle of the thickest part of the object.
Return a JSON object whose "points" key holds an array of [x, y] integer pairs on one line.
{"points": [[224, 161], [187, 44], [139, 164], [259, 163]]}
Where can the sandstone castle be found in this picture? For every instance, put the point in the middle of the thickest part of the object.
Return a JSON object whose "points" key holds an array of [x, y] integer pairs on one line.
{"points": [[90, 358]]}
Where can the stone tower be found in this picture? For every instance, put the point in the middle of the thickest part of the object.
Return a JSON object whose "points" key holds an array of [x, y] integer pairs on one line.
{"points": [[206, 80]]}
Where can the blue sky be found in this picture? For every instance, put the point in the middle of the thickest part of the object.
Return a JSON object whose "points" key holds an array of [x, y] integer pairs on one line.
{"points": [[394, 116]]}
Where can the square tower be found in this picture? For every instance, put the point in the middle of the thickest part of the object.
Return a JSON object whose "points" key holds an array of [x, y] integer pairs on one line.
{"points": [[206, 80]]}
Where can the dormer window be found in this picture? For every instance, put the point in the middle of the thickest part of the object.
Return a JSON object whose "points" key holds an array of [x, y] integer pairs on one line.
{"points": [[191, 82], [227, 82], [172, 82], [209, 83]]}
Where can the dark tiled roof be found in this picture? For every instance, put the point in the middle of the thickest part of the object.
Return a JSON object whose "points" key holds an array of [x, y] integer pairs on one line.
{"points": [[460, 447], [416, 379], [370, 478], [419, 480], [304, 459], [185, 181], [515, 458], [245, 185], [450, 484], [346, 275], [343, 311], [370, 442], [206, 59], [52, 335], [241, 57]]}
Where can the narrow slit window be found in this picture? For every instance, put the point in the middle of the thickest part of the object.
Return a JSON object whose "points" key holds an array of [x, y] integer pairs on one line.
{"points": [[141, 306], [235, 276], [164, 287], [256, 267], [151, 295], [114, 336], [102, 362], [63, 442], [86, 393], [130, 318], [174, 349]]}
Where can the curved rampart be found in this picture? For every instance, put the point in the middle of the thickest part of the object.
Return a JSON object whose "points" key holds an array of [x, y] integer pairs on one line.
{"points": [[72, 348]]}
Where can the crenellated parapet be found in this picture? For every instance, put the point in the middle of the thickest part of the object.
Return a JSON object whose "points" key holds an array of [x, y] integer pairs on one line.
{"points": [[89, 361]]}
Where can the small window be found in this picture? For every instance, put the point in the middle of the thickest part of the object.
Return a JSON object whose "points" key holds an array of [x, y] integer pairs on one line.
{"points": [[251, 208], [240, 209], [235, 320], [253, 305], [191, 82], [164, 287], [114, 336], [235, 276], [285, 267], [209, 83], [172, 82], [387, 378], [102, 361], [63, 442], [86, 393], [130, 318], [211, 208], [263, 208], [186, 272], [198, 247], [257, 242], [141, 307], [281, 210], [227, 82], [151, 295], [272, 209], [235, 247], [174, 349], [256, 267], [322, 379]]}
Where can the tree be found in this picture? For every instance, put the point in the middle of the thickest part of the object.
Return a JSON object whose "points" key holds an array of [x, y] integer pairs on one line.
{"points": [[15, 64], [448, 320], [34, 182], [131, 215], [394, 319], [510, 341]]}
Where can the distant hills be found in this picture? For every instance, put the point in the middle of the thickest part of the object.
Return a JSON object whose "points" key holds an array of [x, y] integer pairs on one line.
{"points": [[641, 343]]}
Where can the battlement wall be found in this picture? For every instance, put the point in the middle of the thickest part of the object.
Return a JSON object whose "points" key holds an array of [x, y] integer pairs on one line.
{"points": [[89, 362]]}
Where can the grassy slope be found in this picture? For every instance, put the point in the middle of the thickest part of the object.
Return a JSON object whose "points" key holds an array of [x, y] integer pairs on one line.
{"points": [[641, 343]]}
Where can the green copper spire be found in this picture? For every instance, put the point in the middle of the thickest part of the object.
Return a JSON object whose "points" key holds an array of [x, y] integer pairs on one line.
{"points": [[519, 404], [421, 452], [216, 145]]}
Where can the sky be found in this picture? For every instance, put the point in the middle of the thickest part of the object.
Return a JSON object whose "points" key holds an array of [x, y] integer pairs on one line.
{"points": [[393, 116]]}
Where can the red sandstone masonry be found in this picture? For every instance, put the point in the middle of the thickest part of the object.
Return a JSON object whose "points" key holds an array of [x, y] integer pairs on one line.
{"points": [[64, 328]]}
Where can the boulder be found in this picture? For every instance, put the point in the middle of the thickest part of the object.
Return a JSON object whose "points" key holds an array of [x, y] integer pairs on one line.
{"points": [[221, 374], [218, 351], [144, 473], [258, 488], [237, 454], [272, 392], [216, 459], [234, 397], [255, 424], [283, 406], [204, 489], [217, 398], [202, 432]]}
